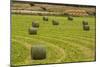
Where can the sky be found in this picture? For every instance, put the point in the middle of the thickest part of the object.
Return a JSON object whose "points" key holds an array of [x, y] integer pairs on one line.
{"points": [[81, 2]]}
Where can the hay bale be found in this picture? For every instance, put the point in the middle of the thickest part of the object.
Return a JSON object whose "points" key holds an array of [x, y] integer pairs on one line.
{"points": [[35, 24], [70, 18], [38, 52], [86, 27], [45, 18], [32, 31], [32, 4], [85, 22], [43, 8], [54, 22]]}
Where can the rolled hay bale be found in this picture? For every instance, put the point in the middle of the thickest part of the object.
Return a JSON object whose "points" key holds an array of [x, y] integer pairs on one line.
{"points": [[70, 18], [45, 18], [32, 4], [86, 27], [43, 8], [85, 22], [55, 22], [38, 52], [32, 31], [35, 24]]}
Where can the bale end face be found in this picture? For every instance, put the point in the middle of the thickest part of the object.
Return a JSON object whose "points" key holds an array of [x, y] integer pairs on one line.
{"points": [[54, 22], [32, 31], [45, 18], [35, 24], [38, 53], [86, 27]]}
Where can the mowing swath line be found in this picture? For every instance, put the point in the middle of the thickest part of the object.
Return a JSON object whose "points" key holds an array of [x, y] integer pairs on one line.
{"points": [[82, 48], [83, 41], [28, 46], [59, 48], [72, 39], [25, 44], [65, 37], [47, 43], [82, 52], [29, 58], [76, 36], [79, 46]]}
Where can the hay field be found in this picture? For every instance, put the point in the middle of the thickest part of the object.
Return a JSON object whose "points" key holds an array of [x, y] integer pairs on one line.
{"points": [[66, 42]]}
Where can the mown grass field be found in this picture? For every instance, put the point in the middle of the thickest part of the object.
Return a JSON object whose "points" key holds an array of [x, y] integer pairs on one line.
{"points": [[66, 42]]}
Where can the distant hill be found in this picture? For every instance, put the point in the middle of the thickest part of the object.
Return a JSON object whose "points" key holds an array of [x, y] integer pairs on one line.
{"points": [[78, 5], [53, 8]]}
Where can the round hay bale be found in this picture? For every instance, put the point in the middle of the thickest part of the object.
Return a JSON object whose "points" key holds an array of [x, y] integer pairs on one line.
{"points": [[38, 52], [86, 27], [43, 8], [35, 24], [85, 22], [32, 31], [54, 22], [45, 18], [32, 4], [70, 18]]}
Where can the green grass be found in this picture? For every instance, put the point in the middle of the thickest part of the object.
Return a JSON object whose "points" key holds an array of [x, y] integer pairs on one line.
{"points": [[66, 42]]}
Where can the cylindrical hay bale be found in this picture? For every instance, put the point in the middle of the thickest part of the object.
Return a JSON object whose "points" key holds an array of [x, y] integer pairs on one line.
{"points": [[85, 22], [35, 24], [70, 18], [32, 4], [38, 52], [32, 31], [45, 18], [54, 22], [86, 27]]}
